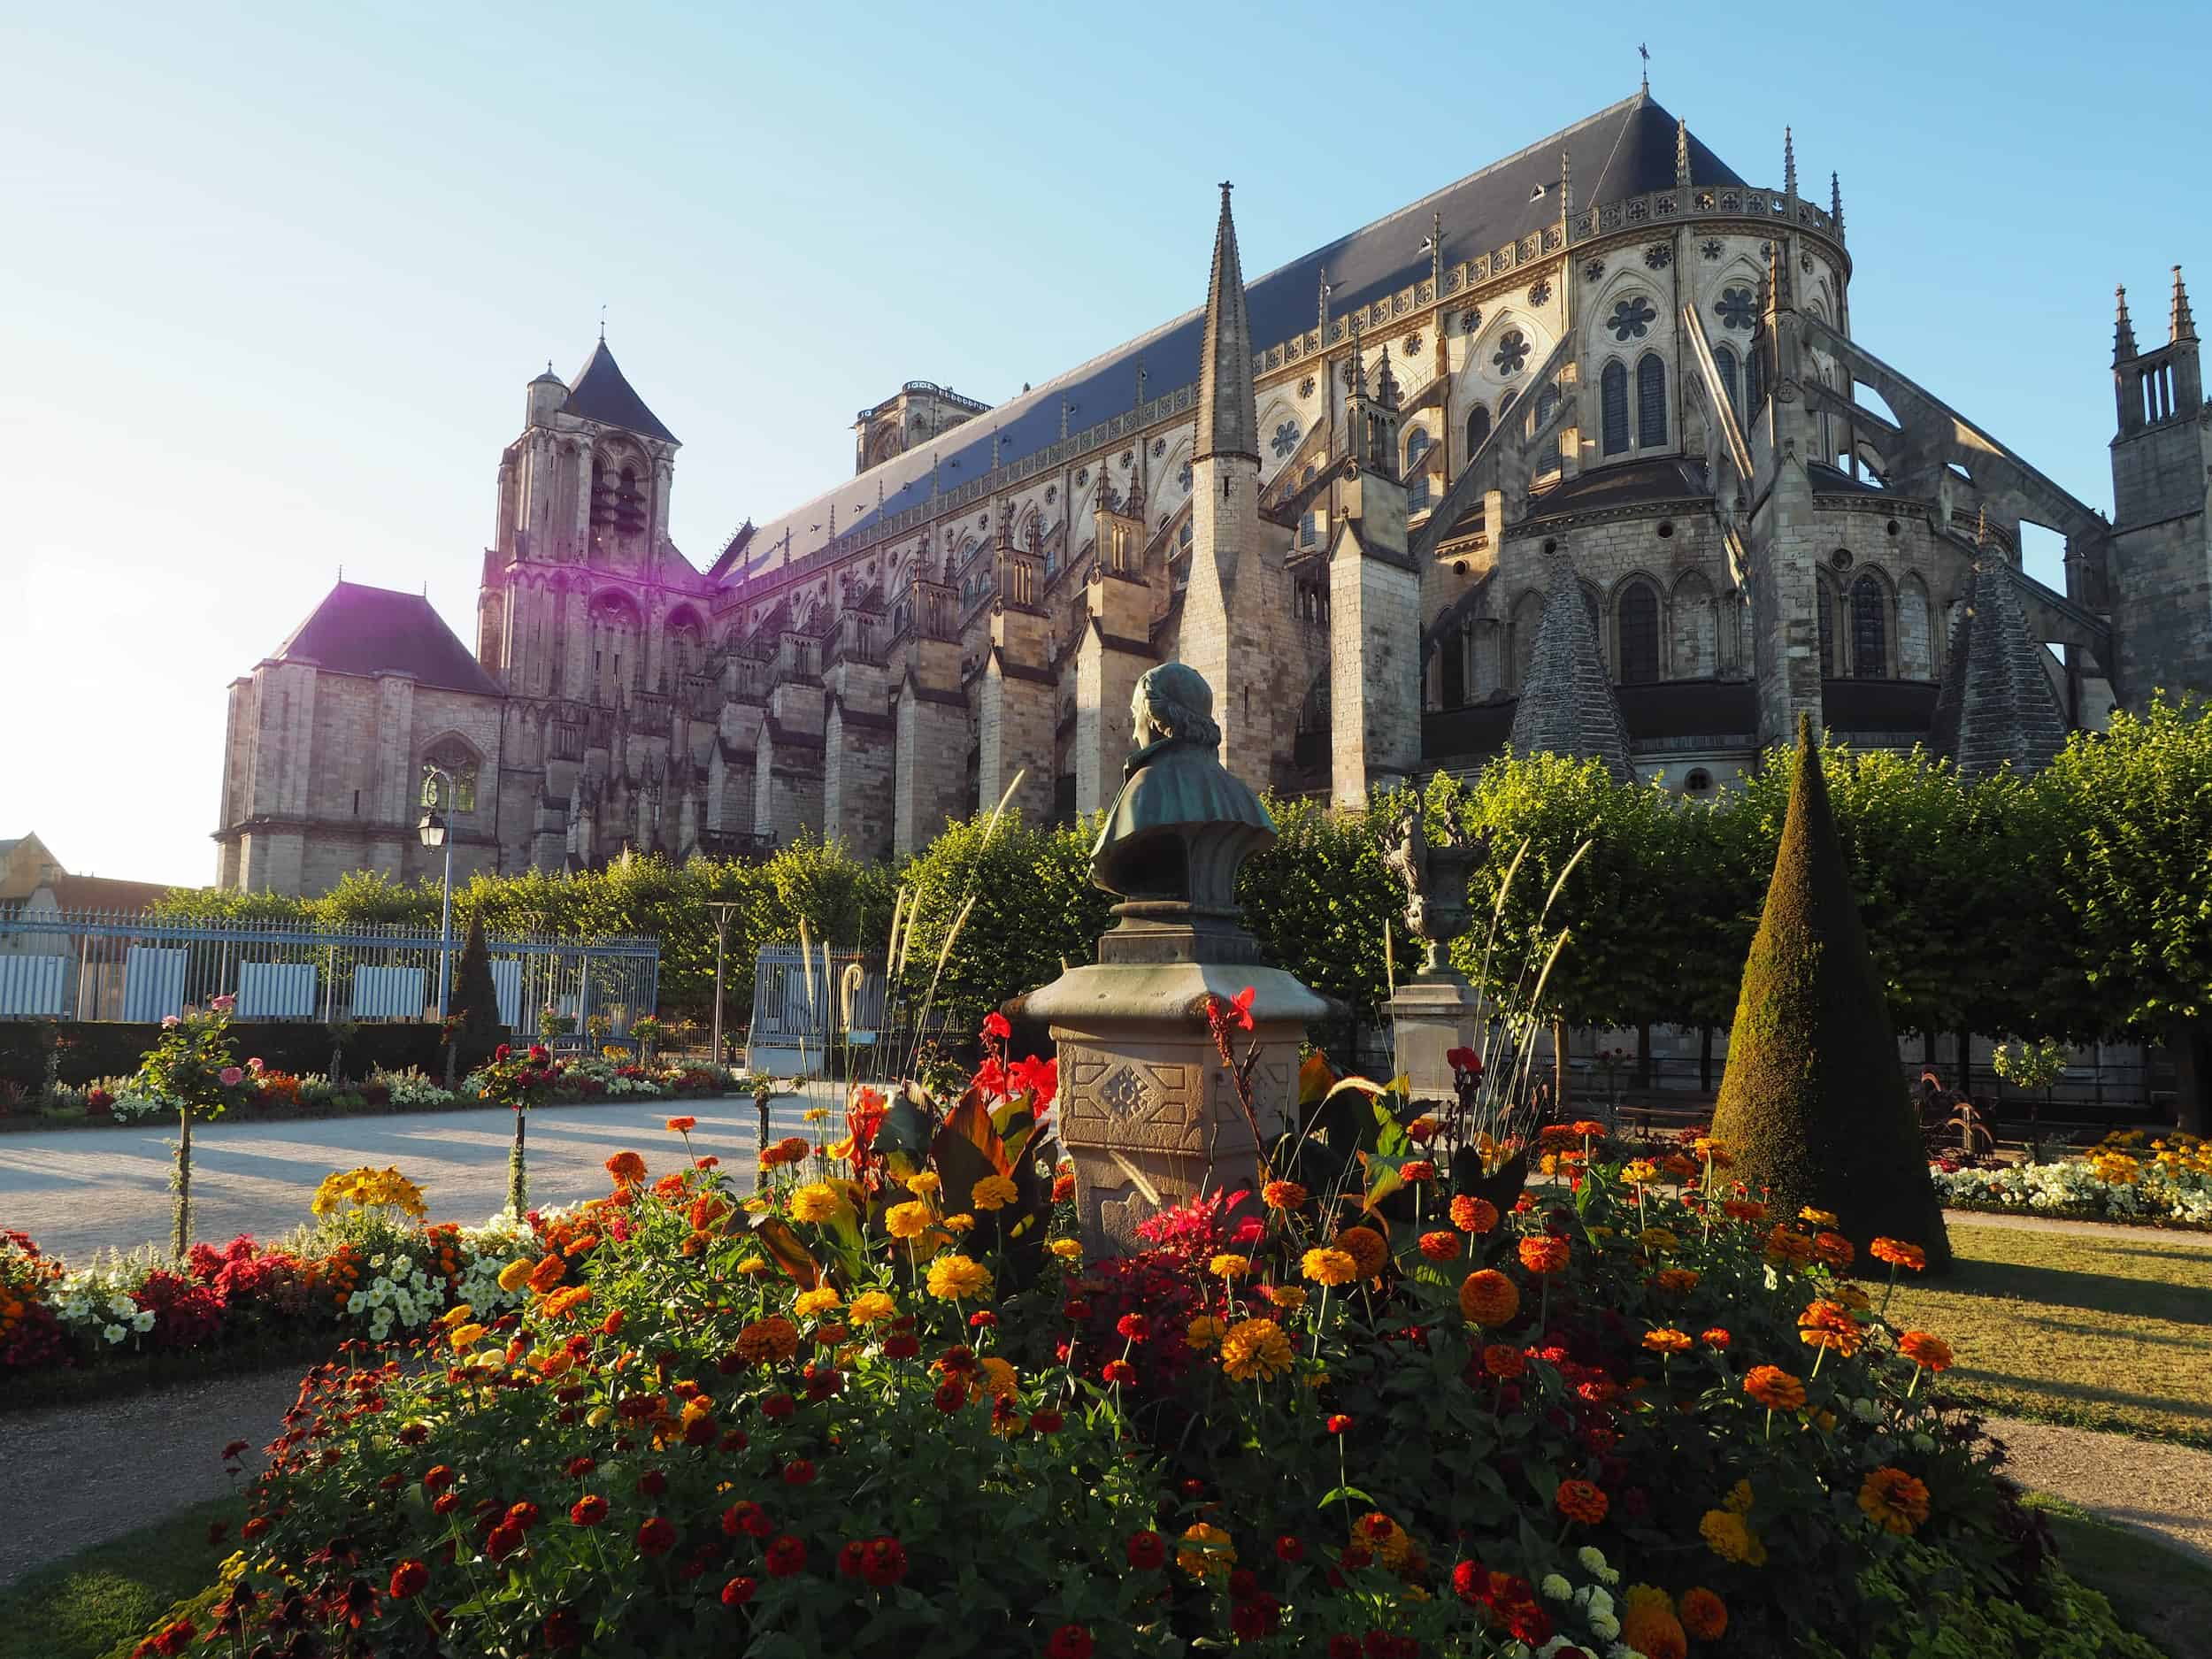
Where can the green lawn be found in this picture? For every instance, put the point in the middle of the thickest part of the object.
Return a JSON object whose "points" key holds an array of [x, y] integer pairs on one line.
{"points": [[106, 1598], [2162, 1594], [2108, 1333]]}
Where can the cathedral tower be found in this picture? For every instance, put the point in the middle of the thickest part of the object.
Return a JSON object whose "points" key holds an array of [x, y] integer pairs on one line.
{"points": [[2161, 560], [1232, 604], [1374, 600]]}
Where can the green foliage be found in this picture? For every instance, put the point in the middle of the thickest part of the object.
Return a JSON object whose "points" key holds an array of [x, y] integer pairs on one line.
{"points": [[1035, 910], [476, 1001], [101, 1599], [1321, 900], [1813, 1104]]}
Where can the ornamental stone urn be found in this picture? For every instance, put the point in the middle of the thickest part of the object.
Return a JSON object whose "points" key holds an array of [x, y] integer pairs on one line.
{"points": [[1148, 1114], [1436, 1011]]}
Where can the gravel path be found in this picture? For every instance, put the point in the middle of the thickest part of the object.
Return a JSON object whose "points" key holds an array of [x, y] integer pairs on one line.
{"points": [[72, 1477], [2085, 1229], [2150, 1486], [76, 1191]]}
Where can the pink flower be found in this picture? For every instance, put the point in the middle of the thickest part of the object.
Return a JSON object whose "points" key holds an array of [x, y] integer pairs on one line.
{"points": [[222, 1005], [231, 1076], [254, 1065], [170, 1021]]}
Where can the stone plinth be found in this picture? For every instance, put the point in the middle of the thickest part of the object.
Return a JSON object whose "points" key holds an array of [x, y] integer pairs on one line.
{"points": [[1148, 1114], [1433, 1015]]}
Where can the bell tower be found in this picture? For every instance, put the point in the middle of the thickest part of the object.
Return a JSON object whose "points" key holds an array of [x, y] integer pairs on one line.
{"points": [[2161, 557]]}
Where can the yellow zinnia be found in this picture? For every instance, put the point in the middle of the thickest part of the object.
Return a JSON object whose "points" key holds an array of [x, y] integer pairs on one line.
{"points": [[816, 1202], [999, 1379], [1203, 1332], [956, 1277], [466, 1337], [818, 1300], [906, 1221], [869, 1307], [1327, 1267], [1066, 1250], [992, 1192], [1228, 1265], [1254, 1348], [1205, 1552], [923, 1182], [515, 1274]]}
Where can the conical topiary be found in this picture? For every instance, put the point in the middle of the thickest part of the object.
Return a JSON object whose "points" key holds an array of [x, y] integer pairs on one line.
{"points": [[476, 999], [1813, 1106]]}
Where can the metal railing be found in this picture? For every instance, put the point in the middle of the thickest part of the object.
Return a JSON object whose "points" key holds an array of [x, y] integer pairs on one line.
{"points": [[118, 966]]}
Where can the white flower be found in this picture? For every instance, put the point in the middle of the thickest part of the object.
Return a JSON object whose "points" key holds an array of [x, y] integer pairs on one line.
{"points": [[1592, 1557], [1556, 1587], [143, 1319], [1604, 1625], [114, 1333]]}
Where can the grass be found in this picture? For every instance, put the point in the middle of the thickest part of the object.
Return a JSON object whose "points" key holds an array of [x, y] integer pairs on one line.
{"points": [[106, 1597], [2104, 1334], [2160, 1594]]}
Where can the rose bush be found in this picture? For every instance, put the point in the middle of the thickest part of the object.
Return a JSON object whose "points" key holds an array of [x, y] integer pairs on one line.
{"points": [[878, 1405]]}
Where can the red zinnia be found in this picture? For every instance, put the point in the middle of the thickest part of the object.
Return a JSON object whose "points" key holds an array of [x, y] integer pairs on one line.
{"points": [[786, 1556], [1339, 1425], [408, 1579], [655, 1536], [1070, 1641], [588, 1511], [503, 1541], [797, 1472], [1289, 1548], [1118, 1371], [1146, 1550], [737, 1592]]}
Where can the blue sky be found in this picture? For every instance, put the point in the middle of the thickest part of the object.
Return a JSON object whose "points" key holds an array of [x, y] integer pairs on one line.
{"points": [[274, 277]]}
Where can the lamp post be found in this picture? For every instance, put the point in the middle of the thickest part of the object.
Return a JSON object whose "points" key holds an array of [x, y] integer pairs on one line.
{"points": [[721, 908], [436, 821]]}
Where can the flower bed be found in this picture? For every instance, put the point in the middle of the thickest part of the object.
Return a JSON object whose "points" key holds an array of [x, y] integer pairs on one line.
{"points": [[283, 1096], [885, 1405], [2167, 1182]]}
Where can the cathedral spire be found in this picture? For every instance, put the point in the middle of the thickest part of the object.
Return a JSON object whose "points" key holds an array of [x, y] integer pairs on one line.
{"points": [[1228, 418], [2123, 329], [1681, 154], [1321, 306], [1835, 201], [1997, 705], [2180, 325], [1789, 163]]}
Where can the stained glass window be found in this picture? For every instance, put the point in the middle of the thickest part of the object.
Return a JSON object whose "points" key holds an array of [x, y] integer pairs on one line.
{"points": [[1547, 404], [1870, 629], [1478, 427], [1638, 622], [1632, 317], [1511, 356], [1737, 308], [1613, 406], [1651, 400]]}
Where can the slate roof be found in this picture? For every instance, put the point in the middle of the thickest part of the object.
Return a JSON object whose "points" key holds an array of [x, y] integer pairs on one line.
{"points": [[1625, 149], [1625, 484], [602, 392], [361, 630]]}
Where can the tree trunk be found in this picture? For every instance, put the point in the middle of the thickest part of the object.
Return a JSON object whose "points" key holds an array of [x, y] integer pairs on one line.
{"points": [[452, 1054], [180, 1239], [1642, 1077], [2191, 1044], [518, 1182], [1559, 1068], [1705, 1059]]}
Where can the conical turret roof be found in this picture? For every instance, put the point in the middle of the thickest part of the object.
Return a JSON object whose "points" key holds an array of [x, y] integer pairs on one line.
{"points": [[1997, 705]]}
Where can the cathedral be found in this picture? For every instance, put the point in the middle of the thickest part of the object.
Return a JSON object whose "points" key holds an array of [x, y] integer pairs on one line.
{"points": [[1571, 455]]}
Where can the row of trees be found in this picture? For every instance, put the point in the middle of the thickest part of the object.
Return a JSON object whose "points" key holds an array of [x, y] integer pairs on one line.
{"points": [[2076, 903]]}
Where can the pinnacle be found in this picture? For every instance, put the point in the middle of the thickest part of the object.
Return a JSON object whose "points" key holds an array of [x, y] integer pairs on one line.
{"points": [[2123, 329], [2180, 325]]}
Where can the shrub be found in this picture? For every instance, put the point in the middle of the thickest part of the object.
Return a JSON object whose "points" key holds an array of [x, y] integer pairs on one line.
{"points": [[476, 1002], [1813, 1101]]}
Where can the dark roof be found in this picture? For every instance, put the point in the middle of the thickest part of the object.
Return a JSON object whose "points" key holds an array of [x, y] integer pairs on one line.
{"points": [[1625, 484], [601, 392], [359, 630], [1690, 708], [1835, 481], [1623, 150], [105, 893], [1888, 706], [1465, 734]]}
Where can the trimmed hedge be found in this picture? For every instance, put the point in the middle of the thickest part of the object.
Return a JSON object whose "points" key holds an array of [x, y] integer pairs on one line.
{"points": [[97, 1048]]}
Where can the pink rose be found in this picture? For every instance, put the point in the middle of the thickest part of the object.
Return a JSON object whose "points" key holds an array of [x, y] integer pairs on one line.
{"points": [[170, 1020], [231, 1076], [222, 1005], [254, 1065]]}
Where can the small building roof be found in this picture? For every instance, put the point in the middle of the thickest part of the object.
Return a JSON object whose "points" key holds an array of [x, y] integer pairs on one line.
{"points": [[367, 631], [602, 392]]}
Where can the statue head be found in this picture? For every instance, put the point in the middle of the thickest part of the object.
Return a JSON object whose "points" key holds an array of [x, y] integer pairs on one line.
{"points": [[1174, 702]]}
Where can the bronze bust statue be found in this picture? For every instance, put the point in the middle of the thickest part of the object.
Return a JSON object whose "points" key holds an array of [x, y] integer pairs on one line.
{"points": [[1182, 825]]}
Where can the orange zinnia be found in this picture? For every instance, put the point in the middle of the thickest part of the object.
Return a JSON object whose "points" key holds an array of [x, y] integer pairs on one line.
{"points": [[1580, 1500], [1703, 1614], [1543, 1254], [1828, 1325], [1504, 1362], [1440, 1246], [628, 1169], [766, 1340], [1897, 1253], [1785, 1244], [1488, 1298], [1666, 1340], [1893, 1501], [1649, 1626], [1774, 1388], [1926, 1349], [1832, 1248], [1470, 1214], [1365, 1246], [1283, 1194]]}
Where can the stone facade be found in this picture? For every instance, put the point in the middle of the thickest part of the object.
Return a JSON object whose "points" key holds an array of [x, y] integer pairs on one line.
{"points": [[1656, 386]]}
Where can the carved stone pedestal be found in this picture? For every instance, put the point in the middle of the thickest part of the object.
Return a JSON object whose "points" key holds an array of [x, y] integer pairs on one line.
{"points": [[1148, 1114], [1433, 1015]]}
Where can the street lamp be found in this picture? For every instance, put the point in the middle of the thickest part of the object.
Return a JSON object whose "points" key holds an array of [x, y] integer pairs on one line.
{"points": [[434, 828]]}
